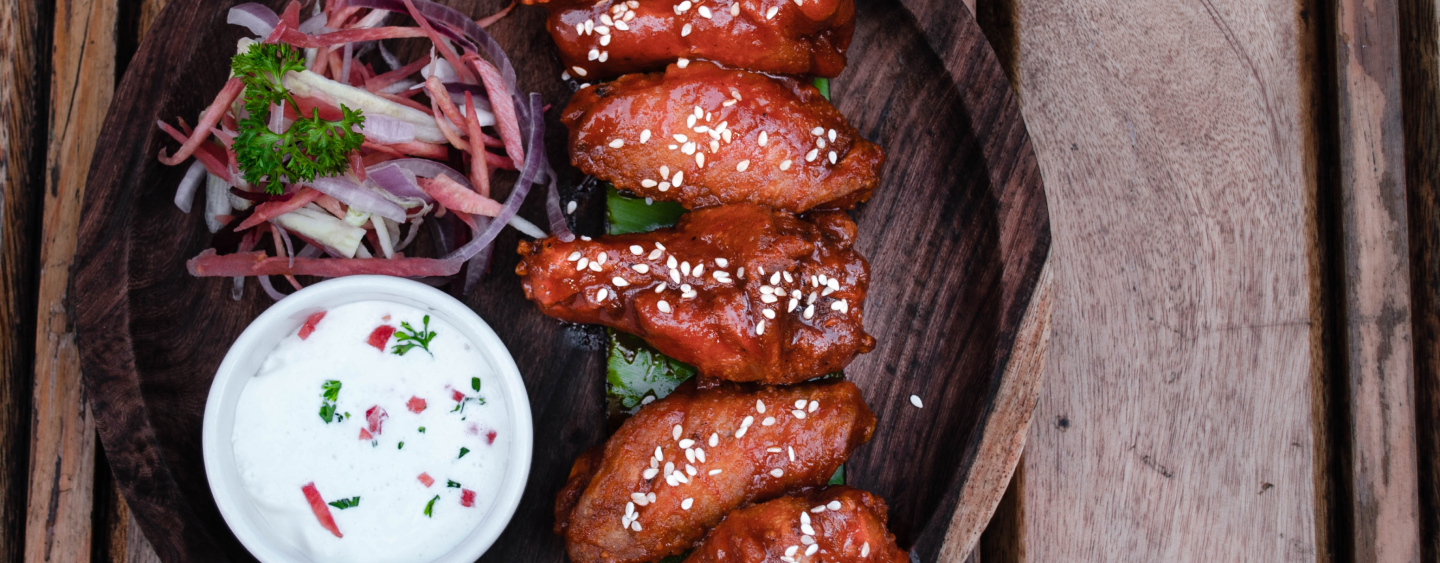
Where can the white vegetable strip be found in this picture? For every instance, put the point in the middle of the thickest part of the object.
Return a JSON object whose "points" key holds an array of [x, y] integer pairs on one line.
{"points": [[388, 130], [382, 233], [359, 197], [309, 84], [527, 227], [185, 194], [323, 228], [217, 202]]}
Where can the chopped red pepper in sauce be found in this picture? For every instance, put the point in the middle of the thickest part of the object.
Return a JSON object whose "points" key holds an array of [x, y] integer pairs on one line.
{"points": [[309, 327], [365, 435], [426, 479], [467, 498], [457, 396], [322, 512], [380, 336], [490, 437], [375, 419], [416, 405]]}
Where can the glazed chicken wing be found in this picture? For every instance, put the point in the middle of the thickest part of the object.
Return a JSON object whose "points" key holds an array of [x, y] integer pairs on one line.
{"points": [[704, 135], [834, 525], [600, 40], [741, 292], [676, 468]]}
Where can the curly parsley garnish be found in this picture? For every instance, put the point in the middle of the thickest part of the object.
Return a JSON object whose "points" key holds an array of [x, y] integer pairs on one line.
{"points": [[310, 147], [331, 393], [345, 503], [407, 338]]}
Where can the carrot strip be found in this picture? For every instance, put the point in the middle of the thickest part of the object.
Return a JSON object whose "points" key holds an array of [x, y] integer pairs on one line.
{"points": [[328, 203], [413, 148], [242, 264], [440, 42], [456, 197], [479, 174], [503, 106], [380, 82], [209, 119], [291, 16], [202, 153], [299, 39], [272, 209], [317, 503], [404, 101], [495, 17]]}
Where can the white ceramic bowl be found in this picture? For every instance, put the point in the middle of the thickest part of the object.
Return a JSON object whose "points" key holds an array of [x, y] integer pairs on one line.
{"points": [[243, 361]]}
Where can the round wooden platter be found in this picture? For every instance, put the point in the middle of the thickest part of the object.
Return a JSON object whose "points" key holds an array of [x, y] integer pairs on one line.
{"points": [[957, 238]]}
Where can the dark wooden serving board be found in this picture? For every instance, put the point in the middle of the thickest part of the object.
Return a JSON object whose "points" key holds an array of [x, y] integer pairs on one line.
{"points": [[957, 237]]}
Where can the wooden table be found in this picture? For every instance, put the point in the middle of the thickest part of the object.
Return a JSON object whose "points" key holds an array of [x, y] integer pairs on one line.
{"points": [[1246, 268]]}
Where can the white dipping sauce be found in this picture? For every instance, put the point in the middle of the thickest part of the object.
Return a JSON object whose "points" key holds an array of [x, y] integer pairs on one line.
{"points": [[282, 444]]}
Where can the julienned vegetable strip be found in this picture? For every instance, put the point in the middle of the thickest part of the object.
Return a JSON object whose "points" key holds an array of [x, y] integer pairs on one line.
{"points": [[334, 142]]}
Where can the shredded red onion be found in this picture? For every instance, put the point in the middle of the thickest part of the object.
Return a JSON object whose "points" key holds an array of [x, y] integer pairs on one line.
{"points": [[348, 55], [456, 26], [424, 169], [185, 194], [528, 176], [359, 197], [260, 197], [314, 25], [397, 180], [258, 18], [269, 288], [388, 130], [390, 59]]}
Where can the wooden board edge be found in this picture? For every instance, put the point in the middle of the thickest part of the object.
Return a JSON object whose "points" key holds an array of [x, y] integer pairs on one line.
{"points": [[1006, 427]]}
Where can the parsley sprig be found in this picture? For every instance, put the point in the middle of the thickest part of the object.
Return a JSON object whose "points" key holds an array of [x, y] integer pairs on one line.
{"points": [[345, 503], [330, 392], [310, 147], [407, 338]]}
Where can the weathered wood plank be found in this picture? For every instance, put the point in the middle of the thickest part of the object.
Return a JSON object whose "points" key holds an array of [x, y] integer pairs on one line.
{"points": [[1376, 341], [24, 30], [1176, 420], [1419, 23], [62, 445]]}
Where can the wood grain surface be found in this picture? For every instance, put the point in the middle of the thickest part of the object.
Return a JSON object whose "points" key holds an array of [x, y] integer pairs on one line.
{"points": [[957, 240], [1377, 348], [1176, 421]]}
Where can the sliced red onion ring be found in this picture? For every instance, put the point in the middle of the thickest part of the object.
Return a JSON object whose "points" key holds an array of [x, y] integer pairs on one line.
{"points": [[354, 195], [268, 287], [528, 176], [388, 130], [314, 25], [456, 26], [422, 168], [258, 18], [390, 59], [185, 194], [397, 180]]}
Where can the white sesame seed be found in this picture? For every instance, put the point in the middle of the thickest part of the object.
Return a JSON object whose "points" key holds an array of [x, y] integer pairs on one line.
{"points": [[688, 295], [690, 122], [832, 157], [811, 300], [714, 472], [621, 25], [769, 421], [660, 455], [768, 298], [685, 287], [663, 306], [788, 279], [798, 414], [814, 547], [573, 256], [663, 187], [605, 39], [699, 270], [714, 439], [699, 112], [915, 400], [774, 449], [635, 526], [771, 12], [785, 165], [735, 9], [707, 117], [655, 254], [820, 142], [721, 276], [682, 63], [844, 306], [814, 406], [790, 551], [777, 472], [594, 266], [565, 75], [673, 146], [749, 420], [602, 294], [578, 71], [792, 452], [690, 469], [582, 263], [832, 135], [579, 29], [675, 276], [647, 400], [645, 136], [741, 432], [743, 165], [648, 474], [807, 529], [727, 103], [602, 30], [654, 463], [639, 498], [705, 12], [818, 509], [700, 159], [775, 278], [630, 509], [669, 468], [807, 540], [769, 314], [809, 311], [651, 496], [685, 30], [679, 178], [677, 431], [760, 406], [679, 138], [833, 505], [672, 263], [686, 443], [810, 156], [617, 143], [690, 455], [700, 455], [688, 148], [791, 306], [740, 273], [759, 328], [865, 549], [800, 404], [601, 258], [818, 131], [687, 503], [767, 290]]}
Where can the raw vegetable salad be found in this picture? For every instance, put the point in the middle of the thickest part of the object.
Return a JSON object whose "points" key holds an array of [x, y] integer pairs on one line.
{"points": [[305, 141]]}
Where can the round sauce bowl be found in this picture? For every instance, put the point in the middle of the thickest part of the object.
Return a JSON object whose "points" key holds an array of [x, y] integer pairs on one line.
{"points": [[367, 418]]}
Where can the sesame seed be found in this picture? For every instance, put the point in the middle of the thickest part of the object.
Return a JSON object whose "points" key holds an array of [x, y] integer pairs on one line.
{"points": [[669, 468], [688, 148], [790, 551], [656, 254], [915, 400], [807, 540], [865, 549], [685, 269], [760, 406], [663, 187], [795, 294], [785, 165], [727, 103], [570, 208], [740, 273], [714, 439], [792, 452], [679, 177], [797, 413], [741, 432], [647, 400], [578, 71], [645, 136], [768, 314], [651, 496], [602, 30], [735, 9], [605, 40], [721, 262], [660, 455], [690, 470], [686, 443], [582, 264], [714, 144], [700, 455], [774, 449], [807, 529], [832, 157], [602, 294], [767, 290], [639, 498], [674, 146], [811, 300], [699, 112], [707, 117], [617, 143], [690, 122], [654, 463], [579, 29], [818, 509], [793, 303], [843, 306], [663, 306], [814, 547], [573, 256], [700, 159], [810, 156], [635, 526], [820, 142], [832, 135], [771, 12], [672, 263], [749, 420], [775, 278], [769, 421], [601, 258], [788, 279], [759, 328], [809, 311], [814, 406], [632, 4], [705, 12], [682, 63], [714, 472], [764, 138], [742, 166], [621, 25], [777, 472], [688, 295], [768, 298], [630, 509], [675, 276], [699, 269], [818, 131], [685, 30], [677, 431], [800, 404], [687, 503], [564, 75], [690, 455], [649, 474]]}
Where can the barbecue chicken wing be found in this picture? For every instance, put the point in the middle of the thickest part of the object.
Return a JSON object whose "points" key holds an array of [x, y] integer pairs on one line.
{"points": [[834, 525]]}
